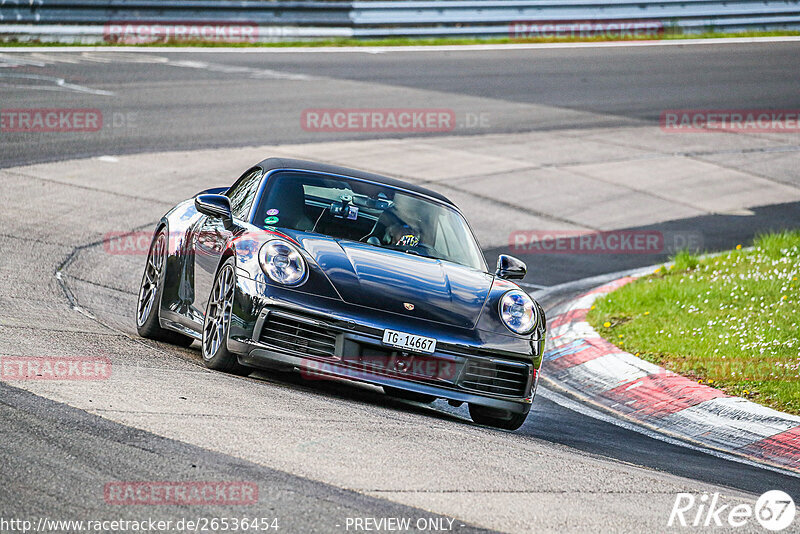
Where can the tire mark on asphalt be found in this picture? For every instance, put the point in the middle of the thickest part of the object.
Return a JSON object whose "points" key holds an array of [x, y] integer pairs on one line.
{"points": [[33, 240], [98, 284]]}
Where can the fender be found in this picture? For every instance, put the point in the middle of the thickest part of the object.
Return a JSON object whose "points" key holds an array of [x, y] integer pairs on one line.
{"points": [[178, 294]]}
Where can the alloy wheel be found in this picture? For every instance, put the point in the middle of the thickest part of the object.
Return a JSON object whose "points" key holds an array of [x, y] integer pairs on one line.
{"points": [[218, 314], [152, 279]]}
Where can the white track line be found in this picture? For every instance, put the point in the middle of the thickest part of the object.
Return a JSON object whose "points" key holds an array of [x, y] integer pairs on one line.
{"points": [[58, 84], [389, 49]]}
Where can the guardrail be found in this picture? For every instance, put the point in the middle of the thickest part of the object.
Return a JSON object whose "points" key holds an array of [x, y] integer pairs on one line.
{"points": [[314, 13], [89, 20]]}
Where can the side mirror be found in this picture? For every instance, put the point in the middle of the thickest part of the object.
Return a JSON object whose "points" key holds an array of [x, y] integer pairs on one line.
{"points": [[510, 268], [218, 206]]}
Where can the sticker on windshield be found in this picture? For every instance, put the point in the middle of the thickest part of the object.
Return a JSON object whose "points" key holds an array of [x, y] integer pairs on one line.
{"points": [[272, 212], [271, 220], [352, 213]]}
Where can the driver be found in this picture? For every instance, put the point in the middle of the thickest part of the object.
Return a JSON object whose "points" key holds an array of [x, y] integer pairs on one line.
{"points": [[401, 224]]}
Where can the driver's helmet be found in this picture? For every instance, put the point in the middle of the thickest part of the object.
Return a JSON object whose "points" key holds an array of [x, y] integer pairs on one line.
{"points": [[403, 235]]}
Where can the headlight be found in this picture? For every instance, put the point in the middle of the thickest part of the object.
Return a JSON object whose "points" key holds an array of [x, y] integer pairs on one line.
{"points": [[282, 262], [518, 312]]}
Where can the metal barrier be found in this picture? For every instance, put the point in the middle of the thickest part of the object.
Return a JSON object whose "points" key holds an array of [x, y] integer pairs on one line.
{"points": [[102, 11], [88, 20]]}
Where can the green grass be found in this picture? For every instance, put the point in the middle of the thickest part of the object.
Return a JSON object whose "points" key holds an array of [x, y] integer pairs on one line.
{"points": [[729, 320], [669, 34]]}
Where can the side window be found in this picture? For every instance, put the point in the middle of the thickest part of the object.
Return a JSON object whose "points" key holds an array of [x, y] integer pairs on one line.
{"points": [[243, 192], [441, 240]]}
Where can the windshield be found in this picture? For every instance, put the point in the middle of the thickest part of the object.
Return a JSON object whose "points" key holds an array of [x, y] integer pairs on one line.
{"points": [[371, 213]]}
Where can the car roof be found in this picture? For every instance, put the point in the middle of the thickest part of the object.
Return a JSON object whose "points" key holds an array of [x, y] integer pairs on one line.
{"points": [[302, 165]]}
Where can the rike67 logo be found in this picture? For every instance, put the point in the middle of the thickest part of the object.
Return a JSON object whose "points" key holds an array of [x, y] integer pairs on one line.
{"points": [[774, 511]]}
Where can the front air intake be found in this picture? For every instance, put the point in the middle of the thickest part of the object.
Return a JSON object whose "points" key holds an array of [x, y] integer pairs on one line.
{"points": [[286, 333], [497, 378]]}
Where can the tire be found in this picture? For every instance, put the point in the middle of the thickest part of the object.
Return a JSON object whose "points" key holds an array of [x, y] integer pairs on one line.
{"points": [[408, 395], [217, 323], [502, 419], [150, 291]]}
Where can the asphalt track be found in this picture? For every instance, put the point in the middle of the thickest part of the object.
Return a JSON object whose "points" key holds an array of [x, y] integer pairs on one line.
{"points": [[55, 457], [195, 100]]}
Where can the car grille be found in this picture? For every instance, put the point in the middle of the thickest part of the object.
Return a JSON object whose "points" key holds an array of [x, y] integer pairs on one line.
{"points": [[497, 378], [287, 333]]}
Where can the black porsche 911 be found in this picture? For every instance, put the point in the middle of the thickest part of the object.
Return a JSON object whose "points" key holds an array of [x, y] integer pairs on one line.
{"points": [[343, 273]]}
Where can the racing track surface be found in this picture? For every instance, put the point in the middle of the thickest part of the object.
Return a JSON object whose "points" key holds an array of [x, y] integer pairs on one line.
{"points": [[321, 452]]}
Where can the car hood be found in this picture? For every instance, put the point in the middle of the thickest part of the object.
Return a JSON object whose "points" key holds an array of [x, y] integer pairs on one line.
{"points": [[390, 280]]}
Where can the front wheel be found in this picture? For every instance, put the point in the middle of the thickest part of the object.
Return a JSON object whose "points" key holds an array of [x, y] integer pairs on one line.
{"points": [[217, 323], [503, 419]]}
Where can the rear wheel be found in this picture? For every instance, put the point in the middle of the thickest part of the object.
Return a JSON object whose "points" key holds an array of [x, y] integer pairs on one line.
{"points": [[408, 395], [504, 419], [217, 323], [150, 291]]}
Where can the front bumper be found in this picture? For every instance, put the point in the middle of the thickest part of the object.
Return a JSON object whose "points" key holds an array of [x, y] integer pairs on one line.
{"points": [[272, 326]]}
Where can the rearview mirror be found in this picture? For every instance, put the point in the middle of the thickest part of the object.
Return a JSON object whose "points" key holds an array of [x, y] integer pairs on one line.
{"points": [[510, 268], [218, 206]]}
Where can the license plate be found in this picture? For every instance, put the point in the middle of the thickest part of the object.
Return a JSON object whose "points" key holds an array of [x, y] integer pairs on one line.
{"points": [[401, 340]]}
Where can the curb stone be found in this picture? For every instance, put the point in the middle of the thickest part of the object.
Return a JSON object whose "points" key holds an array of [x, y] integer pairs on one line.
{"points": [[578, 359]]}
